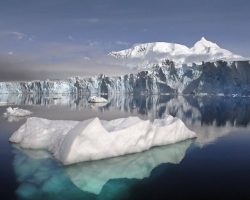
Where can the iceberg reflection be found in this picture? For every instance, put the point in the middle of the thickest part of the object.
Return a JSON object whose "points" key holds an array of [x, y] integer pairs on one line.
{"points": [[40, 176]]}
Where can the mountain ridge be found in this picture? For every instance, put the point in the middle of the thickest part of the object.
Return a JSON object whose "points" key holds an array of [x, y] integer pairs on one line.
{"points": [[149, 55]]}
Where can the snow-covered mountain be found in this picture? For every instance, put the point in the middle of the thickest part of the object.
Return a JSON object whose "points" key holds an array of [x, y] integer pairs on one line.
{"points": [[173, 68], [156, 54]]}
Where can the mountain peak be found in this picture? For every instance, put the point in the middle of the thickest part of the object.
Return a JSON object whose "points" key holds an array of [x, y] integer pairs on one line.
{"points": [[204, 46], [203, 39]]}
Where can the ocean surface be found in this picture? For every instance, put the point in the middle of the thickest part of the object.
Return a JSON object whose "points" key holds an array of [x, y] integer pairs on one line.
{"points": [[215, 164]]}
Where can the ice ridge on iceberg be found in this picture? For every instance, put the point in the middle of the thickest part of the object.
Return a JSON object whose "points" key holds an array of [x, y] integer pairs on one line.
{"points": [[94, 139]]}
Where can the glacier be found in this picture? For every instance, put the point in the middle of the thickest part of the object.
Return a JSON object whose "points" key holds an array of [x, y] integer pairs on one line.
{"points": [[93, 139], [221, 77]]}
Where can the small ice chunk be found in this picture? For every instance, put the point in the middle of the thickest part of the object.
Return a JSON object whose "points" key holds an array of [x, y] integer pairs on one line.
{"points": [[17, 112], [95, 99]]}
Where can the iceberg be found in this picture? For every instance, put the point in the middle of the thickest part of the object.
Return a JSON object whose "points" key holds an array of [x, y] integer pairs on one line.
{"points": [[95, 99], [93, 139], [17, 112]]}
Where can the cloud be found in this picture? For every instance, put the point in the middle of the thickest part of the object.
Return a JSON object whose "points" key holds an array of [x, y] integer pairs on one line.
{"points": [[28, 67], [93, 20], [60, 61], [32, 38], [93, 43], [122, 43], [17, 35], [71, 38]]}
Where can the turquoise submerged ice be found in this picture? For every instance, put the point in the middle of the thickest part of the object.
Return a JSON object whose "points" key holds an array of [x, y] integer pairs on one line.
{"points": [[94, 139]]}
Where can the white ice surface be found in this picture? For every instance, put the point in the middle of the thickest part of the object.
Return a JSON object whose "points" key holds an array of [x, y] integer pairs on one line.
{"points": [[17, 112], [144, 56], [95, 99], [94, 139]]}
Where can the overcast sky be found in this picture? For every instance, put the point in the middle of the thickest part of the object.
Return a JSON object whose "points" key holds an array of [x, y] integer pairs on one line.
{"points": [[51, 38]]}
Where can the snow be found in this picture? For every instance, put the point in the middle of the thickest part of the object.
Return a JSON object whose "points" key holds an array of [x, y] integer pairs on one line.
{"points": [[17, 112], [93, 139], [203, 46], [148, 55], [95, 99]]}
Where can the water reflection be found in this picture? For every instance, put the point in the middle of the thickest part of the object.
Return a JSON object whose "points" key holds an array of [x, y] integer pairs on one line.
{"points": [[11, 118], [91, 176], [207, 110], [40, 175]]}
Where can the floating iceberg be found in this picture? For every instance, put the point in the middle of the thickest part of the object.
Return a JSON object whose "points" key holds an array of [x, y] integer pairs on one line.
{"points": [[94, 139], [17, 112], [95, 99]]}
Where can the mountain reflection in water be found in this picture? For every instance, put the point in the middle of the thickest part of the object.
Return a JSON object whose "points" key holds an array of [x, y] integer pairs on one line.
{"points": [[206, 109]]}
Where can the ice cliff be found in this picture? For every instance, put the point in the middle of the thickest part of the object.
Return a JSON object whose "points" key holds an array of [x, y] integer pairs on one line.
{"points": [[217, 77]]}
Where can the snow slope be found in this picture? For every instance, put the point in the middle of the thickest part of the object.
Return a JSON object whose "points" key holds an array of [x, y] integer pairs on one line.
{"points": [[155, 54], [94, 139]]}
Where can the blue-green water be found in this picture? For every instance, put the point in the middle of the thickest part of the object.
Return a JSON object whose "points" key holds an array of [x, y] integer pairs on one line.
{"points": [[215, 164]]}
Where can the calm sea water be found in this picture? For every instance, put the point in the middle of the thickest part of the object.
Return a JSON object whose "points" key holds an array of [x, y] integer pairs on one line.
{"points": [[215, 164]]}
